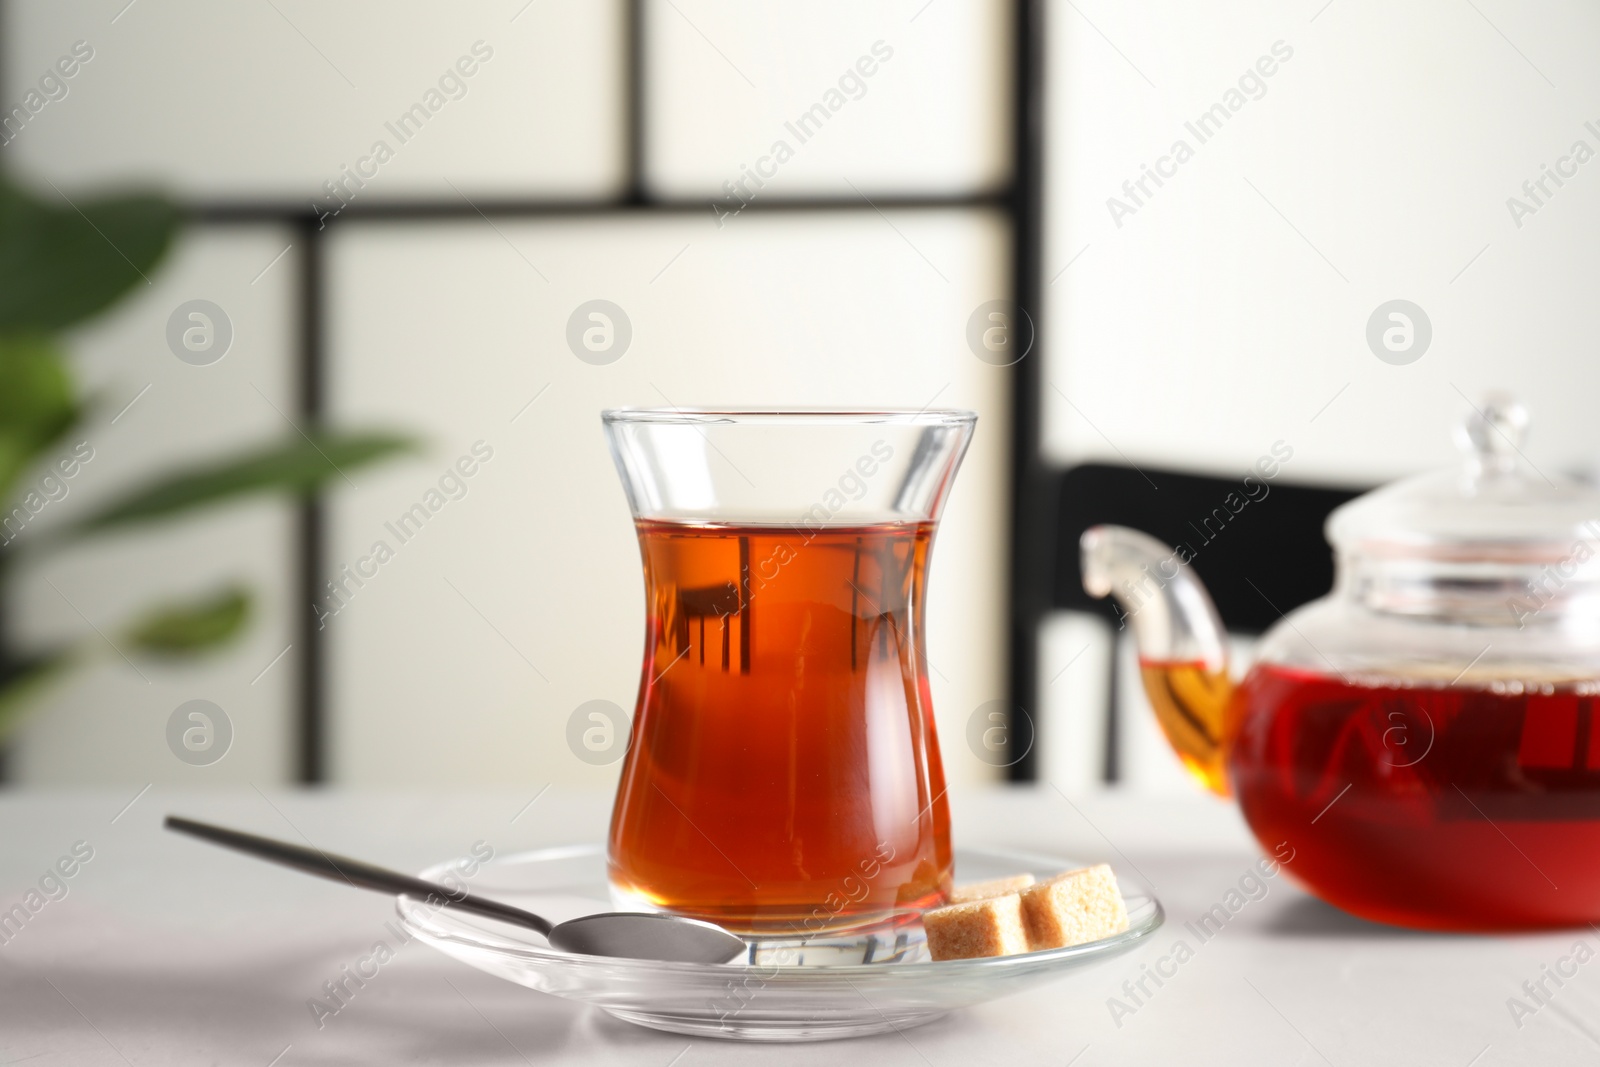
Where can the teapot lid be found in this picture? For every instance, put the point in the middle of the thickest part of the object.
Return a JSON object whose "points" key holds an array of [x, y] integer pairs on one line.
{"points": [[1495, 506]]}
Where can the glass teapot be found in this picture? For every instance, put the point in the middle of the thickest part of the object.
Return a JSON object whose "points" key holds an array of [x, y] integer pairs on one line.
{"points": [[1425, 737]]}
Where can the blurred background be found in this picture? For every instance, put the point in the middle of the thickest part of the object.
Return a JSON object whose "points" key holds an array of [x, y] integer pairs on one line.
{"points": [[402, 219]]}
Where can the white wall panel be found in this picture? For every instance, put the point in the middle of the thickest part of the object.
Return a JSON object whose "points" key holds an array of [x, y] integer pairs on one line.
{"points": [[1229, 308], [153, 413], [1074, 653], [904, 97], [274, 99]]}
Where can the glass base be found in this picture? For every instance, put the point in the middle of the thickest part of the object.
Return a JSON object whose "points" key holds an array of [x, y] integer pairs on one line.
{"points": [[759, 1027], [890, 937]]}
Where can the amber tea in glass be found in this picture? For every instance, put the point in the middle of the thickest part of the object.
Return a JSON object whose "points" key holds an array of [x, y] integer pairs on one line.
{"points": [[783, 773]]}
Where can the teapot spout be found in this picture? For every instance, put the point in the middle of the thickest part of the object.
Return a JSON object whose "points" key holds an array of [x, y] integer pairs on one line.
{"points": [[1183, 650]]}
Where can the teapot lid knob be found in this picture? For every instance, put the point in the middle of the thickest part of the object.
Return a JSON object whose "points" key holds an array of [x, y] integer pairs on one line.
{"points": [[1493, 433], [1496, 508]]}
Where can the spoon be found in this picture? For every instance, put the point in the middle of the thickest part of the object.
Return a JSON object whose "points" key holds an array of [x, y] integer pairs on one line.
{"points": [[630, 935]]}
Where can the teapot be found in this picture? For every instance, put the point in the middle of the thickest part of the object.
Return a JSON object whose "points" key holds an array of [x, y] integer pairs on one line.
{"points": [[1425, 737]]}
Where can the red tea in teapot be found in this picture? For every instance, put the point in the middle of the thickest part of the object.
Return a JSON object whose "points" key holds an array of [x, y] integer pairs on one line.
{"points": [[1425, 803], [783, 772]]}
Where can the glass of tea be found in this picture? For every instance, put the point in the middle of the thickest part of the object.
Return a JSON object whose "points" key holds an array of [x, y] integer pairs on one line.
{"points": [[783, 771]]}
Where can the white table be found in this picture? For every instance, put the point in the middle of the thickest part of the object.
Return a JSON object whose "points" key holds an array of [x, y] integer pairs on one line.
{"points": [[169, 952]]}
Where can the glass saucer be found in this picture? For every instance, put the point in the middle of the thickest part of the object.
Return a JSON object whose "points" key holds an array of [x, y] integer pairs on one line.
{"points": [[863, 982]]}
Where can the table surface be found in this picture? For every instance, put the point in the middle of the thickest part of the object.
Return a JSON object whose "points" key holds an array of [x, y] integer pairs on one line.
{"points": [[166, 951]]}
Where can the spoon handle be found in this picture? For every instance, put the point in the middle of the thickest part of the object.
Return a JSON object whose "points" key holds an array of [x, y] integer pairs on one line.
{"points": [[354, 872]]}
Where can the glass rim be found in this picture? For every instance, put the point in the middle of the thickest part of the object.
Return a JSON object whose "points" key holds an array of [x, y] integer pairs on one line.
{"points": [[819, 415]]}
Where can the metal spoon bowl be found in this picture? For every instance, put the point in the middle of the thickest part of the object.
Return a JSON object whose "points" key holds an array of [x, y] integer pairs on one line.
{"points": [[630, 935]]}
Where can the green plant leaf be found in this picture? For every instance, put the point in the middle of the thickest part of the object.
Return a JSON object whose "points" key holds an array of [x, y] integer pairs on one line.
{"points": [[22, 681], [62, 261], [37, 405], [182, 629], [299, 465]]}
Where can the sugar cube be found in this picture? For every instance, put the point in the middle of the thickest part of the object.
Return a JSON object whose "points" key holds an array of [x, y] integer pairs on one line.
{"points": [[991, 927]]}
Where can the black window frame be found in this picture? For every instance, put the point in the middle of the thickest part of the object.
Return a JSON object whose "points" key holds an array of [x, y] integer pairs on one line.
{"points": [[1050, 504]]}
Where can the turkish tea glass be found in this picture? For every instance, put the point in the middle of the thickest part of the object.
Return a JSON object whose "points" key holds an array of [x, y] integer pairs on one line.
{"points": [[783, 771]]}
